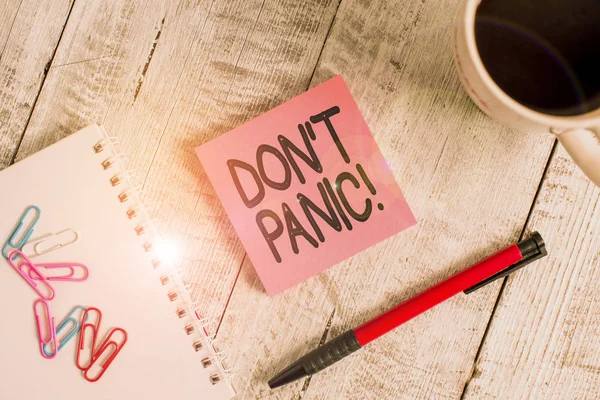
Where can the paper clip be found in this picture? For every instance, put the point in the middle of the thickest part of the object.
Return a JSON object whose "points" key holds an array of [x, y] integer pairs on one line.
{"points": [[10, 243], [50, 242], [95, 327], [68, 319], [50, 325], [67, 276], [100, 358], [31, 269]]}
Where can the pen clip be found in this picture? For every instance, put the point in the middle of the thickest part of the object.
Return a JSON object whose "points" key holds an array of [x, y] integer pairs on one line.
{"points": [[532, 249]]}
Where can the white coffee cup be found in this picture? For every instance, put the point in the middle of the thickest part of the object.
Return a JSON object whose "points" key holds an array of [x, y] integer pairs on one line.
{"points": [[580, 134]]}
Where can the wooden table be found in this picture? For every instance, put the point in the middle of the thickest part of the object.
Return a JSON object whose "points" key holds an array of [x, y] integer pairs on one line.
{"points": [[167, 76]]}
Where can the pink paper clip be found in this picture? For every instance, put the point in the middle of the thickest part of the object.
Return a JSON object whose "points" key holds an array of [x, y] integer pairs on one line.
{"points": [[50, 326], [69, 275], [25, 269], [95, 326], [105, 355]]}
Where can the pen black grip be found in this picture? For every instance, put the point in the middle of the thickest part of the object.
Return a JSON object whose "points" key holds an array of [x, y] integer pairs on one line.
{"points": [[331, 352]]}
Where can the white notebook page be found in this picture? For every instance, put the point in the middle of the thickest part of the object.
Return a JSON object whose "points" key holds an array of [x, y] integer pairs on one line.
{"points": [[69, 184]]}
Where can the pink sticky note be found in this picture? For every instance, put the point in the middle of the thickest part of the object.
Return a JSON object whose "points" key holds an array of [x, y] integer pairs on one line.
{"points": [[305, 185]]}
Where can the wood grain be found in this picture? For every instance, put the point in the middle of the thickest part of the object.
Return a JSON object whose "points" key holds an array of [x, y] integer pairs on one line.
{"points": [[29, 33], [8, 14], [544, 341], [470, 182], [167, 76]]}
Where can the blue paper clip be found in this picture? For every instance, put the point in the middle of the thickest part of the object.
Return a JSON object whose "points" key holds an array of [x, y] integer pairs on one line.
{"points": [[18, 246], [72, 332]]}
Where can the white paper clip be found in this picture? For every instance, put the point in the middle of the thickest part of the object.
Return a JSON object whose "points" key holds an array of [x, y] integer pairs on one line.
{"points": [[50, 242]]}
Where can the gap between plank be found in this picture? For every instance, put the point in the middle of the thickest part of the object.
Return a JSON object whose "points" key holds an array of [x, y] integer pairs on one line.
{"points": [[230, 294], [150, 55], [321, 343], [307, 381], [37, 96], [505, 280], [323, 47], [175, 91]]}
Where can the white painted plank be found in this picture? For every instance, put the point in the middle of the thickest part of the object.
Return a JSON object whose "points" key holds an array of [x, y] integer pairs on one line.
{"points": [[29, 33], [8, 13], [165, 77], [544, 342]]}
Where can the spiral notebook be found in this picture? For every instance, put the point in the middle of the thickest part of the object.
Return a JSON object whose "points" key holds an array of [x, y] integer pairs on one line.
{"points": [[79, 183]]}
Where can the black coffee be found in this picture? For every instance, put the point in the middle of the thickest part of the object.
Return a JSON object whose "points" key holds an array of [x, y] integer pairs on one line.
{"points": [[545, 54]]}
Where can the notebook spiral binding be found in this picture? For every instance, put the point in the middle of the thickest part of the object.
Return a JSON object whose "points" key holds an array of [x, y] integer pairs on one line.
{"points": [[177, 291]]}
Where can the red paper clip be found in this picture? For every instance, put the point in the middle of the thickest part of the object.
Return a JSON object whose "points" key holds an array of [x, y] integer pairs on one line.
{"points": [[95, 327], [105, 355], [26, 269], [49, 325], [68, 275]]}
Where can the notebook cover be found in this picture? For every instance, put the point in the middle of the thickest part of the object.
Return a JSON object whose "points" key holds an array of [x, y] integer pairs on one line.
{"points": [[69, 184]]}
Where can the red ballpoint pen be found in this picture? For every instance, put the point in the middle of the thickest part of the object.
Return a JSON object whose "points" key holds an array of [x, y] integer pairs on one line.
{"points": [[497, 266]]}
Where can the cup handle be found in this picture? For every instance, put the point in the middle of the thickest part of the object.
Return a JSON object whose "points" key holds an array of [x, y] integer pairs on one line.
{"points": [[583, 145]]}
